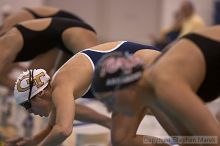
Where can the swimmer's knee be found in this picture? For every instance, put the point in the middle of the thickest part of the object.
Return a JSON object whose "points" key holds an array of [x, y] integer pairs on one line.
{"points": [[159, 83]]}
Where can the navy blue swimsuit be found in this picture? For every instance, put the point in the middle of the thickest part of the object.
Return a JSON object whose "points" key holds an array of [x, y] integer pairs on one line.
{"points": [[124, 46]]}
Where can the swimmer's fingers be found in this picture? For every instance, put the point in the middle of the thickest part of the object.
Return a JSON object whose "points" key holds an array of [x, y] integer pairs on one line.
{"points": [[13, 140], [24, 142], [9, 144], [19, 141]]}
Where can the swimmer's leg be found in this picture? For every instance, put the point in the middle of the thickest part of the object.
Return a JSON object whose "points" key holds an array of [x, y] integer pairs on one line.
{"points": [[181, 104], [10, 45]]}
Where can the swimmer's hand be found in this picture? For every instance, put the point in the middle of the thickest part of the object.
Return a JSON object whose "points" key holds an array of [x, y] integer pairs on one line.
{"points": [[18, 141]]}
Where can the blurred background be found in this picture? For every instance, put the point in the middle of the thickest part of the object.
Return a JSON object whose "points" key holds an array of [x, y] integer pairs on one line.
{"points": [[122, 19], [155, 22]]}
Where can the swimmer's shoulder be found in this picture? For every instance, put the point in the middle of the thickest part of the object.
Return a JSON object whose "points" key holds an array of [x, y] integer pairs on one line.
{"points": [[106, 46]]}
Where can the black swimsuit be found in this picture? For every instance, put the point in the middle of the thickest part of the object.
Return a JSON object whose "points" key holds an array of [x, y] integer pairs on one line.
{"points": [[60, 13], [210, 88], [38, 42]]}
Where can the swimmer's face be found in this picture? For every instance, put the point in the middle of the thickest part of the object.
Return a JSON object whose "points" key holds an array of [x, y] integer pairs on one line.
{"points": [[40, 105]]}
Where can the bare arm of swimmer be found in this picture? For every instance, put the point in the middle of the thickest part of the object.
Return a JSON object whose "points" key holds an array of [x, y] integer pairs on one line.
{"points": [[86, 114], [83, 113], [70, 81], [33, 141], [65, 109], [9, 49]]}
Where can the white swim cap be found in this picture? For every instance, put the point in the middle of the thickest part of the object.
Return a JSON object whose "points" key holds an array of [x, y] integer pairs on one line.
{"points": [[22, 86]]}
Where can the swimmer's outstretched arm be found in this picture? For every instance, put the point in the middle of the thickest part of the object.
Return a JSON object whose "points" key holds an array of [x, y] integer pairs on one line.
{"points": [[33, 141], [69, 83], [65, 112], [86, 114], [24, 141]]}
